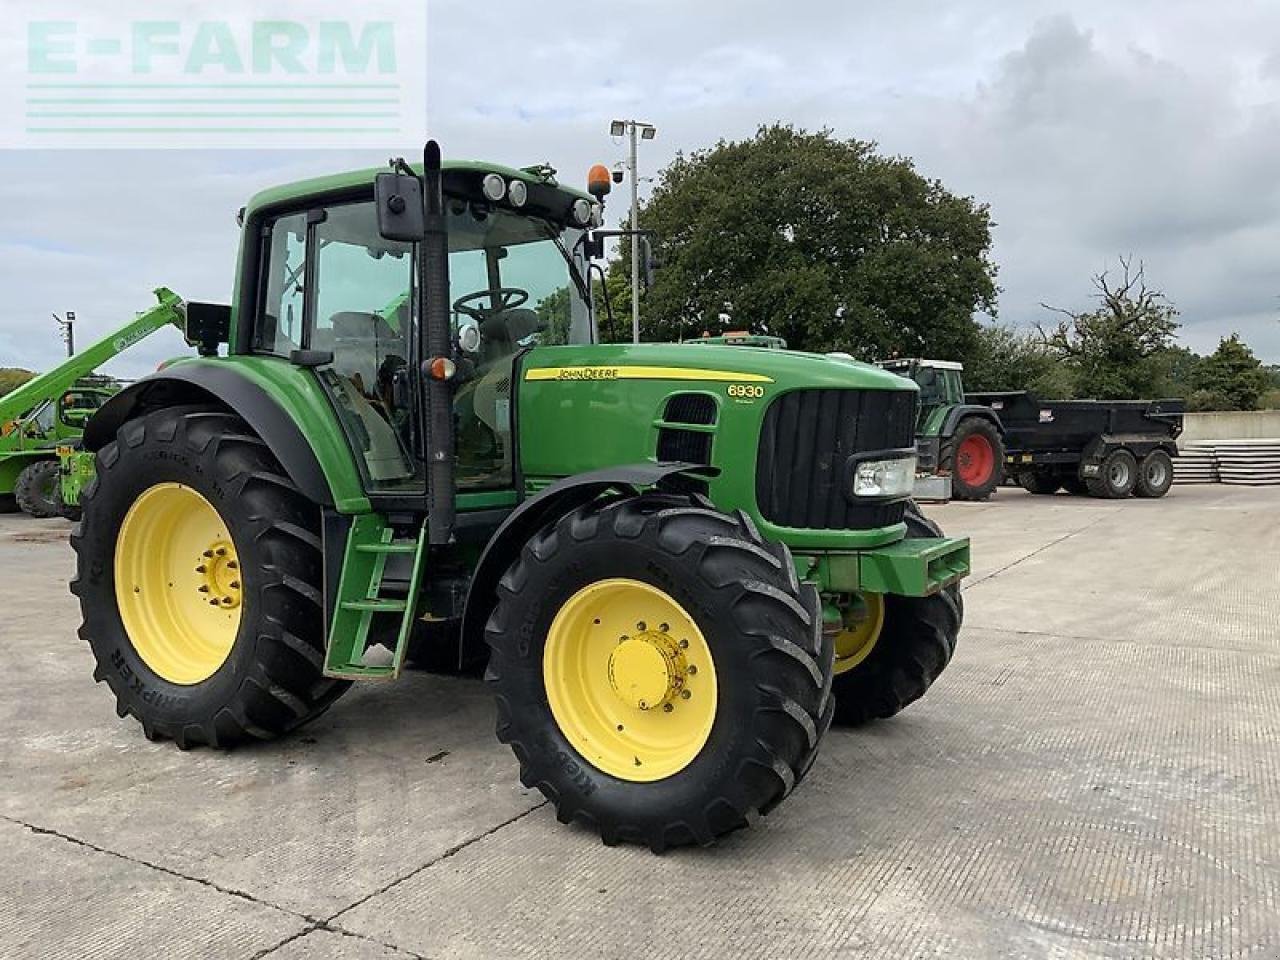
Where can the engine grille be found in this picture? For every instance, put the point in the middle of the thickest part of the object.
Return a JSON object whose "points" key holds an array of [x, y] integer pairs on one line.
{"points": [[805, 444]]}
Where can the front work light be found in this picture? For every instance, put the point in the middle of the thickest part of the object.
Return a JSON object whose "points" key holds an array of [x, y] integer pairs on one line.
{"points": [[495, 188], [884, 478]]}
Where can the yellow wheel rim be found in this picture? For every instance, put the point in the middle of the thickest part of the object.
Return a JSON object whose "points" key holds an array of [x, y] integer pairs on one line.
{"points": [[863, 621], [178, 584], [630, 680]]}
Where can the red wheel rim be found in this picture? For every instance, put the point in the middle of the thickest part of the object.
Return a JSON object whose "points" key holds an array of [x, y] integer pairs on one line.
{"points": [[975, 460]]}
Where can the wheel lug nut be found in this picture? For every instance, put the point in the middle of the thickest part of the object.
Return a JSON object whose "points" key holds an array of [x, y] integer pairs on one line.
{"points": [[221, 551], [235, 584], [203, 588], [685, 694], [692, 670], [643, 705], [667, 708], [202, 569], [664, 628], [213, 603], [208, 554], [684, 644], [232, 565], [641, 627]]}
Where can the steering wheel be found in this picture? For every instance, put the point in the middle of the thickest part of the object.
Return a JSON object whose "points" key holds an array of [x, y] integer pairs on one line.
{"points": [[508, 299]]}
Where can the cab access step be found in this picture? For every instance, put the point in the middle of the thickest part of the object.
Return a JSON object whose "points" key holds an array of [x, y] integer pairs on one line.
{"points": [[371, 543]]}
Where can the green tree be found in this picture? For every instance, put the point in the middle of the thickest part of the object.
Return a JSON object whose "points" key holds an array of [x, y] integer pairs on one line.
{"points": [[824, 242], [1230, 378], [1004, 358], [1114, 350], [13, 377]]}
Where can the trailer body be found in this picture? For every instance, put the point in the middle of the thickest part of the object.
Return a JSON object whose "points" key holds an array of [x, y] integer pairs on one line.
{"points": [[1068, 443]]}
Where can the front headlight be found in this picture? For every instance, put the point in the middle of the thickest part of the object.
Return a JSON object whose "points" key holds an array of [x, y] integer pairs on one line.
{"points": [[884, 478]]}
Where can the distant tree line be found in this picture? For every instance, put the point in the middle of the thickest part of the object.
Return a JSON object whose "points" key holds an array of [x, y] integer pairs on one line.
{"points": [[1124, 348], [836, 247]]}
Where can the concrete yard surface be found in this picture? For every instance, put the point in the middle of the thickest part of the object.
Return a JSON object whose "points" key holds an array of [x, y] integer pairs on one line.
{"points": [[1096, 775]]}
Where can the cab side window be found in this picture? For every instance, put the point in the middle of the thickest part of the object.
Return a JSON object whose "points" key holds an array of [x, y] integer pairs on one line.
{"points": [[279, 325]]}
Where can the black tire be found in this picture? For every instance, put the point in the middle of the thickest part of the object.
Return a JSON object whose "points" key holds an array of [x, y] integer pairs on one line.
{"points": [[1074, 485], [916, 643], [977, 488], [1039, 482], [272, 680], [1155, 475], [772, 662], [35, 488], [1116, 477]]}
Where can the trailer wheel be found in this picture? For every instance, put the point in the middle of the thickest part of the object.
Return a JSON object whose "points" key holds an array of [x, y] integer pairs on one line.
{"points": [[911, 642], [1116, 477], [199, 572], [660, 672], [34, 490], [1155, 475], [975, 457], [1039, 482]]}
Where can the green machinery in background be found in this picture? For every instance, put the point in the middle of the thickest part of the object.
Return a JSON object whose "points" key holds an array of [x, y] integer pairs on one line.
{"points": [[676, 565], [959, 443], [42, 420]]}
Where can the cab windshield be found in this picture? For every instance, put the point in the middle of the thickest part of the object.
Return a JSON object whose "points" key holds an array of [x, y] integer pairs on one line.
{"points": [[514, 278]]}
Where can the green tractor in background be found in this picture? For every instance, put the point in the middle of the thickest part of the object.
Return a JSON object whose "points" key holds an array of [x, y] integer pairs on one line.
{"points": [[961, 440], [29, 445], [42, 466], [676, 565]]}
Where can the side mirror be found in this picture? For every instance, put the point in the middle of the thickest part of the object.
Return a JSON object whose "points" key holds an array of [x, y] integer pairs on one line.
{"points": [[399, 199]]}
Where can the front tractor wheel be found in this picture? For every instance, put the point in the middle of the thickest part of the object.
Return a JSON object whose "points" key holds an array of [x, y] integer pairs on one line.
{"points": [[975, 456], [660, 671], [199, 577], [890, 649]]}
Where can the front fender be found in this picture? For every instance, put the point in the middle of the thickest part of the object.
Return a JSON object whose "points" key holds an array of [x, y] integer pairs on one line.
{"points": [[539, 511]]}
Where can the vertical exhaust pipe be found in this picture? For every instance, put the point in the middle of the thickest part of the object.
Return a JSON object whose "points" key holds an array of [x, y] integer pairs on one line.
{"points": [[433, 282]]}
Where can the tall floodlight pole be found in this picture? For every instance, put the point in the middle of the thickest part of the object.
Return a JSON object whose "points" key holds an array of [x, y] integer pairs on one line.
{"points": [[635, 130], [635, 237]]}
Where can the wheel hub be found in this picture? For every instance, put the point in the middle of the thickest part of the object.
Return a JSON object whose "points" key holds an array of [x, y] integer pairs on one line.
{"points": [[218, 570], [647, 671]]}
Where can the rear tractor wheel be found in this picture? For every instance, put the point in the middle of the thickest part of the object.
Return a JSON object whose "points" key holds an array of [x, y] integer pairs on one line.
{"points": [[36, 487], [975, 457], [199, 576], [660, 672], [890, 649]]}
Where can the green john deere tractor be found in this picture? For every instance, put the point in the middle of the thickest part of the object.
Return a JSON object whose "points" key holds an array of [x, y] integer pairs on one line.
{"points": [[959, 440], [676, 564]]}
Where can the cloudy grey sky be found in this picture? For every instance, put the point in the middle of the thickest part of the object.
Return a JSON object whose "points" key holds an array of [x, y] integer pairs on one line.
{"points": [[1149, 127]]}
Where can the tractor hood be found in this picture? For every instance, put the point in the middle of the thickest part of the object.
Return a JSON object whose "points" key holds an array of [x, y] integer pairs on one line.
{"points": [[709, 364]]}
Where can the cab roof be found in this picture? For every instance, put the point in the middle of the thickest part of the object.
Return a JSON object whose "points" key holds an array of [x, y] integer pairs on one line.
{"points": [[289, 193]]}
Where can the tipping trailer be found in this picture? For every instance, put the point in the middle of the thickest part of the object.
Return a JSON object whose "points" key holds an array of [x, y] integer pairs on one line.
{"points": [[44, 418], [1104, 448]]}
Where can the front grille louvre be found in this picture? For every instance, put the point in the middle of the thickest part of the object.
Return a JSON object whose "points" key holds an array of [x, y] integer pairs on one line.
{"points": [[805, 444], [683, 446], [691, 408]]}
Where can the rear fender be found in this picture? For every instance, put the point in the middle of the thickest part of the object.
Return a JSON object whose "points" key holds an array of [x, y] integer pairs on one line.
{"points": [[226, 388]]}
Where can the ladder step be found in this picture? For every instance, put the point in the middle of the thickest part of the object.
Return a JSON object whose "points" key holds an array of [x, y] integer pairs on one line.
{"points": [[394, 547], [374, 605], [359, 671]]}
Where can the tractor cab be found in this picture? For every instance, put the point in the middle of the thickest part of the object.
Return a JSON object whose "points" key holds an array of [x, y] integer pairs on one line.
{"points": [[939, 381]]}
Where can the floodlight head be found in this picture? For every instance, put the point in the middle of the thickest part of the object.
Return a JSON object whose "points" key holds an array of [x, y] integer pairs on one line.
{"points": [[647, 132], [617, 128]]}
